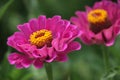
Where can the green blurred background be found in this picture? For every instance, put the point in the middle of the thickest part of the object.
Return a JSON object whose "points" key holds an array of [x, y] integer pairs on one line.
{"points": [[86, 64]]}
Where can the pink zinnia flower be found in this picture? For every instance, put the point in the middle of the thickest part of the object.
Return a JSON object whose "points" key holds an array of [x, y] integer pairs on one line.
{"points": [[99, 24], [43, 40]]}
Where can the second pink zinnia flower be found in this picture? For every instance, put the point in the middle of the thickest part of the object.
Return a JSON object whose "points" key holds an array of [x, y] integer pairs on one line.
{"points": [[43, 40], [100, 24]]}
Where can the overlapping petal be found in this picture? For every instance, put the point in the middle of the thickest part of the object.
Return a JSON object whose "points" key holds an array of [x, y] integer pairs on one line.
{"points": [[107, 35], [63, 35]]}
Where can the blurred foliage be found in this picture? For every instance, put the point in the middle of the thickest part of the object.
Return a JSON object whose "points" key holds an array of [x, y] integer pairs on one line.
{"points": [[86, 64]]}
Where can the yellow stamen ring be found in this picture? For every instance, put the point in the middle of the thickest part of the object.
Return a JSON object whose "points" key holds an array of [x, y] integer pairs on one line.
{"points": [[97, 16], [41, 37]]}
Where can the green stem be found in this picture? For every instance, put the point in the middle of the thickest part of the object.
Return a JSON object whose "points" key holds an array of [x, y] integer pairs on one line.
{"points": [[106, 59], [49, 72]]}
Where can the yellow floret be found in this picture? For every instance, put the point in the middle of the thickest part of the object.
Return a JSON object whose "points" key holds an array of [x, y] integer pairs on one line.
{"points": [[97, 16], [41, 37]]}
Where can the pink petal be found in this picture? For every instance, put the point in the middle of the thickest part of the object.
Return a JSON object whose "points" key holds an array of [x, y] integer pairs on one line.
{"points": [[116, 30], [13, 57], [98, 38], [60, 27], [27, 49], [66, 23], [51, 54], [38, 63], [59, 45], [75, 20], [19, 66], [25, 28], [110, 43], [56, 18], [62, 57], [88, 9], [42, 22], [51, 23], [17, 36], [118, 2], [73, 46], [26, 62], [108, 33], [67, 36], [34, 25], [85, 39], [40, 53]]}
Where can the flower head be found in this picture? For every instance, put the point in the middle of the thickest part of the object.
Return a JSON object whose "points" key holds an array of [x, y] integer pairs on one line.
{"points": [[43, 40], [99, 24]]}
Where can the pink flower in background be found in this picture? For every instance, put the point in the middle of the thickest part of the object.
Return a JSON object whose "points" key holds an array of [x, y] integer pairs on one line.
{"points": [[99, 24], [43, 40]]}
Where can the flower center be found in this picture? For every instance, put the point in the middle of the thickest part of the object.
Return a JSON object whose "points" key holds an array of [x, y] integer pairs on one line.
{"points": [[98, 20], [97, 16], [41, 37]]}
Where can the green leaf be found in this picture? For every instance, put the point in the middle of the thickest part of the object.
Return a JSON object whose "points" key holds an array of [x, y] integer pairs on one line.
{"points": [[111, 74], [5, 7]]}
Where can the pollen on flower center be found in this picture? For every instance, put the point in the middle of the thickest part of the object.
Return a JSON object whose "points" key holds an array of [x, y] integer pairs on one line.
{"points": [[41, 37], [98, 20], [97, 16]]}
